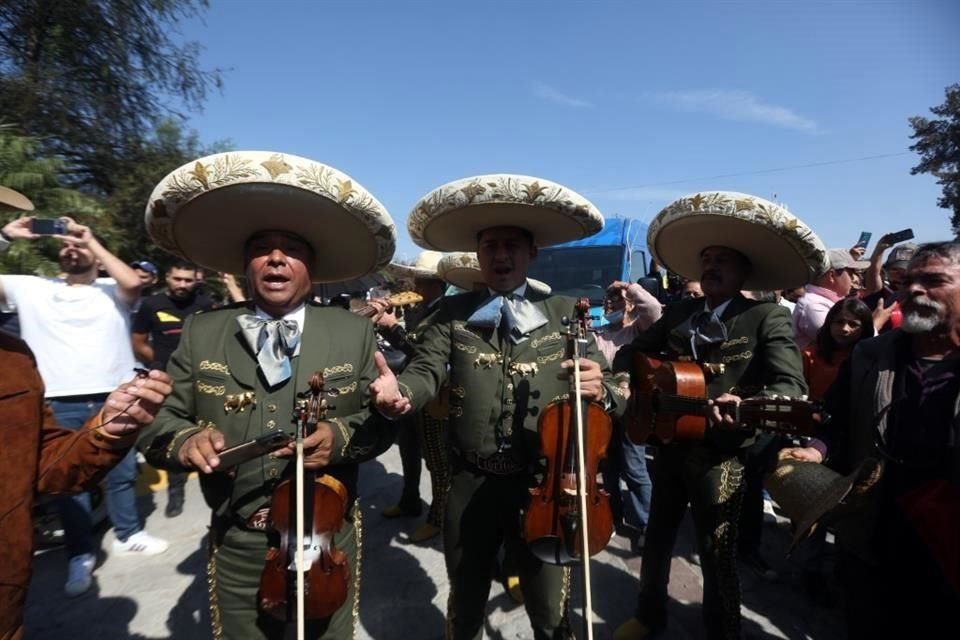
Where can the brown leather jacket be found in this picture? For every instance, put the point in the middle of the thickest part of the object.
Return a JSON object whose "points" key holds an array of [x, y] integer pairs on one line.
{"points": [[36, 457]]}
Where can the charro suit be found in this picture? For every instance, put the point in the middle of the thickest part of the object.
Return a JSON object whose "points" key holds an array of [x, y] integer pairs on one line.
{"points": [[497, 391], [217, 385], [759, 357], [36, 457]]}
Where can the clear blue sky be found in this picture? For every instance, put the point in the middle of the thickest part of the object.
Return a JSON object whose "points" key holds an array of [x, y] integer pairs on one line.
{"points": [[620, 101]]}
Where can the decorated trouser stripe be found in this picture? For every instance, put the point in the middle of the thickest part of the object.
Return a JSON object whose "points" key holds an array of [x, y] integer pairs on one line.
{"points": [[436, 453], [712, 483]]}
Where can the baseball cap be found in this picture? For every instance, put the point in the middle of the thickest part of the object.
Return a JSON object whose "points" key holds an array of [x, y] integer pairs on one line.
{"points": [[900, 255], [144, 265], [841, 259]]}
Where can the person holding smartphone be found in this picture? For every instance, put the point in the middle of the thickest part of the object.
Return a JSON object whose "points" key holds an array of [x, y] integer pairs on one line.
{"points": [[78, 326], [884, 278]]}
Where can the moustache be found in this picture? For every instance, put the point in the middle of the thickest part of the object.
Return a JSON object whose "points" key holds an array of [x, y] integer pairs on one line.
{"points": [[711, 275], [921, 302]]}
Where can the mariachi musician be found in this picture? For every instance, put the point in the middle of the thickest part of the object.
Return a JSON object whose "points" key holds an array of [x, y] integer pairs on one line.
{"points": [[285, 222], [502, 351], [728, 242]]}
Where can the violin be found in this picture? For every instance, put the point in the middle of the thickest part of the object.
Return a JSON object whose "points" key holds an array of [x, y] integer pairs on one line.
{"points": [[568, 519], [668, 401], [305, 576]]}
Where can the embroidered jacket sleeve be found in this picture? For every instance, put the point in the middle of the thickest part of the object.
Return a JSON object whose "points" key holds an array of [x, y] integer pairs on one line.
{"points": [[364, 434], [779, 356]]}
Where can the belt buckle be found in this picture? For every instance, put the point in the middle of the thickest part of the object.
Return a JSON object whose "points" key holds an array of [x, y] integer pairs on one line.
{"points": [[498, 464]]}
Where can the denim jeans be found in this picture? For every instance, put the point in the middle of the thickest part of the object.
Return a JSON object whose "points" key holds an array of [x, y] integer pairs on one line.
{"points": [[72, 412], [628, 461]]}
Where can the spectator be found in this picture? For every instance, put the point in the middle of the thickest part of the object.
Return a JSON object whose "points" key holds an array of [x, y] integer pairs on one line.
{"points": [[896, 399], [691, 289], [848, 322], [629, 310], [883, 290], [40, 457], [819, 297], [149, 276], [156, 333], [79, 329]]}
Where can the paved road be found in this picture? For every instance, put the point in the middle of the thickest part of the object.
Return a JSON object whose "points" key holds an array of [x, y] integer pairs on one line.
{"points": [[404, 588]]}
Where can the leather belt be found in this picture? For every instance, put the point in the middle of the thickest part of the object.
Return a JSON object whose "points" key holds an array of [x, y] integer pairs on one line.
{"points": [[499, 464]]}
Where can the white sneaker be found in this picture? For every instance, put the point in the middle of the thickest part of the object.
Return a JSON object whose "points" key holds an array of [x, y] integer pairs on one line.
{"points": [[79, 574], [140, 544]]}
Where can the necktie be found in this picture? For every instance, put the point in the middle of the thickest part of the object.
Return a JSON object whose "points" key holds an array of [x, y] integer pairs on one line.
{"points": [[705, 328], [518, 316], [274, 341]]}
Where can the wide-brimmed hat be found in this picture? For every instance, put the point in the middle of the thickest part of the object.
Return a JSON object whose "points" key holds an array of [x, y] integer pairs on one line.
{"points": [[424, 266], [206, 210], [450, 217], [783, 251], [462, 270], [14, 200], [808, 491]]}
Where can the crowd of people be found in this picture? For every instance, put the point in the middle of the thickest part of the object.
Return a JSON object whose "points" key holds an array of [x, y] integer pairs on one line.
{"points": [[458, 375]]}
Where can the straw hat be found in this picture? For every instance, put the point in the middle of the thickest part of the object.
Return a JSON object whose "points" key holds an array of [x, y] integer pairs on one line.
{"points": [[425, 266], [784, 252], [11, 200], [206, 210], [450, 217], [808, 491], [462, 269]]}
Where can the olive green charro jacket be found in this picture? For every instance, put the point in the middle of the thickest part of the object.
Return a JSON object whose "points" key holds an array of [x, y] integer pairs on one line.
{"points": [[213, 367], [759, 356], [496, 391]]}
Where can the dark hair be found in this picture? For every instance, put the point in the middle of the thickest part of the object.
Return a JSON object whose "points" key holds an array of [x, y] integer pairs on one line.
{"points": [[949, 251], [182, 264], [855, 307]]}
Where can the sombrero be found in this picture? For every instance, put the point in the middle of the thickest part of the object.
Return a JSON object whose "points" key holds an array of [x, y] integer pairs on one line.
{"points": [[207, 209], [808, 491], [462, 269], [783, 251], [424, 266], [450, 217], [10, 200]]}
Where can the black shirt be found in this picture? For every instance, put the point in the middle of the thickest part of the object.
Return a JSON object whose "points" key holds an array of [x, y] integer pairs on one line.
{"points": [[162, 318]]}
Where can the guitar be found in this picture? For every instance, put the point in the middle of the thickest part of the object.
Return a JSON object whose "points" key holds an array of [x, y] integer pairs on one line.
{"points": [[668, 401], [402, 299]]}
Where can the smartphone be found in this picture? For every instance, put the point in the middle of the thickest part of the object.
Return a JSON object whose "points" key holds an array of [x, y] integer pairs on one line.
{"points": [[259, 446], [900, 236], [48, 226], [864, 239]]}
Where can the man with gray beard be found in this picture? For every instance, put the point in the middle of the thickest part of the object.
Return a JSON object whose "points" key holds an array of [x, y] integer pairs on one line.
{"points": [[897, 399]]}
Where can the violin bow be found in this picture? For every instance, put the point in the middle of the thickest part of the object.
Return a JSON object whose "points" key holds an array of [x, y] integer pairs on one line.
{"points": [[580, 342]]}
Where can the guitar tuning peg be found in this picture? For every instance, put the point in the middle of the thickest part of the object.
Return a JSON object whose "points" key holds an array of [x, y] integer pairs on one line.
{"points": [[775, 396], [804, 397]]}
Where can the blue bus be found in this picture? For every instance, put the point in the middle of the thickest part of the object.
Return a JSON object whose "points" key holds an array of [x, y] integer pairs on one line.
{"points": [[584, 268]]}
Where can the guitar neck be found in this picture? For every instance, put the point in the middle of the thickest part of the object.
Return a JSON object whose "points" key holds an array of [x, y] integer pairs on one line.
{"points": [[757, 414]]}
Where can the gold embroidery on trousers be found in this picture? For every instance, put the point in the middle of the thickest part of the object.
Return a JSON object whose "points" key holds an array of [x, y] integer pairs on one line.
{"points": [[358, 530], [215, 625]]}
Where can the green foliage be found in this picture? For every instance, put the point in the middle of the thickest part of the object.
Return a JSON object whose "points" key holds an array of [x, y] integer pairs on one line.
{"points": [[87, 78], [38, 178], [938, 144], [147, 163]]}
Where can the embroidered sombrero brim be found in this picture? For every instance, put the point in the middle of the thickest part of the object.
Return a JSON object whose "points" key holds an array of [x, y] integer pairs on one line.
{"points": [[11, 200], [450, 217], [425, 266], [784, 252], [206, 210]]}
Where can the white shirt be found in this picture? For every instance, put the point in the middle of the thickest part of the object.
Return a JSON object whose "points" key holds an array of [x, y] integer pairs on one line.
{"points": [[720, 308], [79, 334]]}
